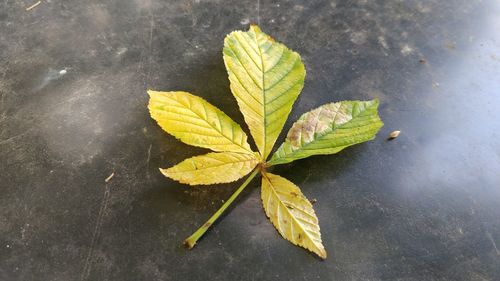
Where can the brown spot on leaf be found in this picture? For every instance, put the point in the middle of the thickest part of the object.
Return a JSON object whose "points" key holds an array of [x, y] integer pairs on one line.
{"points": [[294, 194], [207, 224], [309, 126], [294, 134]]}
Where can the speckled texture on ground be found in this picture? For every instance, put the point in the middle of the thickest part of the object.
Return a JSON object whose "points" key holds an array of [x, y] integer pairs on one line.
{"points": [[73, 80]]}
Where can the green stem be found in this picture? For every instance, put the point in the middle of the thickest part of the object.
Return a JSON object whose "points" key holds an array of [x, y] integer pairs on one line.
{"points": [[191, 240]]}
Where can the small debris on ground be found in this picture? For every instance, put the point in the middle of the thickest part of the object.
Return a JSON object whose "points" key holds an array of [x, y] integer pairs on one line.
{"points": [[110, 177], [313, 200], [33, 6], [422, 60], [394, 134], [450, 45]]}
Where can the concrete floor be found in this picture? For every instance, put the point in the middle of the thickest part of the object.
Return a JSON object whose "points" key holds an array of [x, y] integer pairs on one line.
{"points": [[73, 80]]}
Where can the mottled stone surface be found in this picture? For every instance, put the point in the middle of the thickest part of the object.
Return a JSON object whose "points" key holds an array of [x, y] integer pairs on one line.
{"points": [[73, 76]]}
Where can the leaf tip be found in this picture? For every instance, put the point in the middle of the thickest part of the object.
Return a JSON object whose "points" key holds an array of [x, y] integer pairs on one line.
{"points": [[167, 173], [164, 171], [322, 253], [151, 93], [254, 27]]}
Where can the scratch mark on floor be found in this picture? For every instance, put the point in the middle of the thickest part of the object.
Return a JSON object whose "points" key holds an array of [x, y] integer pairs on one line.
{"points": [[147, 161], [150, 46], [258, 12], [129, 229], [149, 154], [493, 242], [15, 136], [97, 231], [307, 177], [3, 93]]}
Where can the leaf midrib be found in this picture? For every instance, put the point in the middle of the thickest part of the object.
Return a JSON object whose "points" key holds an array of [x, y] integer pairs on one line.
{"points": [[264, 103], [217, 165]]}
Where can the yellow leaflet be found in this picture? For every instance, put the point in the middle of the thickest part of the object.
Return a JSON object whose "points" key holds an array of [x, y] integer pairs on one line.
{"points": [[196, 122], [212, 168], [266, 78], [291, 213]]}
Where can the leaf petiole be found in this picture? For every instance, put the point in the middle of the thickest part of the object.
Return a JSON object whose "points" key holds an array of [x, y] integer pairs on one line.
{"points": [[190, 242]]}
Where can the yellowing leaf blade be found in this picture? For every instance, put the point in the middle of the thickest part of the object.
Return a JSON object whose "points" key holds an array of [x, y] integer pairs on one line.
{"points": [[266, 79], [196, 122], [328, 129], [291, 213], [212, 168]]}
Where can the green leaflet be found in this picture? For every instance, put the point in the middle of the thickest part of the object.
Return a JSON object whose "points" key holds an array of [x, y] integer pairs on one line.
{"points": [[266, 78], [328, 129]]}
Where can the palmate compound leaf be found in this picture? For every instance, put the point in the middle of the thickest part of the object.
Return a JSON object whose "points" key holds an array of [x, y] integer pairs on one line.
{"points": [[196, 122], [291, 213], [211, 168], [328, 129], [265, 78]]}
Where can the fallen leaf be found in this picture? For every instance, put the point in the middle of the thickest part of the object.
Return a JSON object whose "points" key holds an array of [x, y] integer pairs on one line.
{"points": [[265, 78]]}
